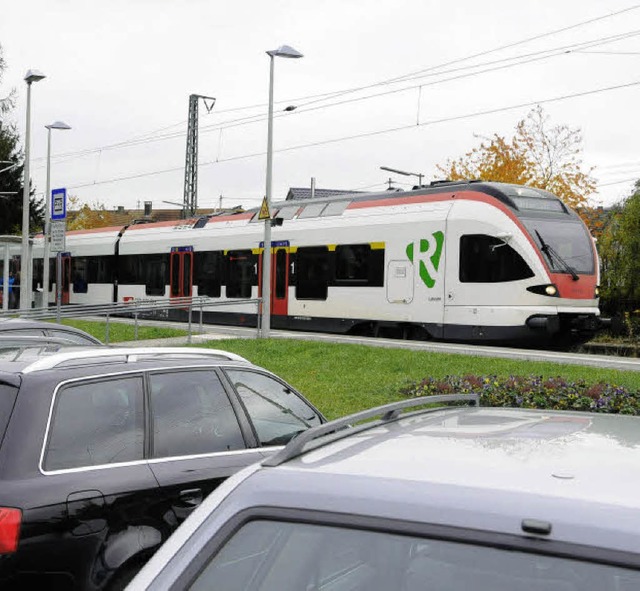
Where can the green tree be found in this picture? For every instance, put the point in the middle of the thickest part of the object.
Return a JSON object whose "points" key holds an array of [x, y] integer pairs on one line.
{"points": [[538, 155], [12, 171], [619, 248]]}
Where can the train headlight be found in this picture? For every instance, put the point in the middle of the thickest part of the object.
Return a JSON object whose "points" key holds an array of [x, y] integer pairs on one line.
{"points": [[548, 289], [597, 292]]}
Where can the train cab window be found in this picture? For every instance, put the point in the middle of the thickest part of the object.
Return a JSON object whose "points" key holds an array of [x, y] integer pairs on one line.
{"points": [[487, 259], [241, 273], [207, 273], [312, 273], [156, 269], [352, 262]]}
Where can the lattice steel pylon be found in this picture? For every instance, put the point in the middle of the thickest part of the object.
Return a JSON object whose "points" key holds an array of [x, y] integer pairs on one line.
{"points": [[190, 203]]}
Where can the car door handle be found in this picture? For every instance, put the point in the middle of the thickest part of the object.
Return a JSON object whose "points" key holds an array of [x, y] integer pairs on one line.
{"points": [[191, 496]]}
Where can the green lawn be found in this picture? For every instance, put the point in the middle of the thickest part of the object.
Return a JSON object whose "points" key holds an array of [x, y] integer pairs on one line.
{"points": [[341, 379], [119, 332]]}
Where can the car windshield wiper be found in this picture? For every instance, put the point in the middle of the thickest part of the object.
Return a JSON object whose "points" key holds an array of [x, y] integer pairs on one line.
{"points": [[551, 254]]}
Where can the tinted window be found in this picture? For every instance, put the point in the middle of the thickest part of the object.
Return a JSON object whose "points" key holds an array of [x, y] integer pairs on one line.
{"points": [[241, 273], [192, 415], [352, 262], [7, 399], [312, 273], [486, 259], [208, 273], [155, 273], [276, 411], [279, 556], [97, 423], [79, 274]]}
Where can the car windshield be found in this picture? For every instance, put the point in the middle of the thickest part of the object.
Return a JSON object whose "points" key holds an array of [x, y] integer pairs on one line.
{"points": [[272, 555], [570, 244]]}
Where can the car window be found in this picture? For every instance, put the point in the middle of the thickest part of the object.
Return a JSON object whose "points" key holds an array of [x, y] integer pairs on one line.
{"points": [[74, 337], [191, 414], [285, 556], [97, 423], [8, 395], [276, 411]]}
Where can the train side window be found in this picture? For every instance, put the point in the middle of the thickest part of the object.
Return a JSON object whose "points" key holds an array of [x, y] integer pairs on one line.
{"points": [[156, 268], [207, 273], [130, 269], [487, 259], [241, 273], [99, 269], [79, 274], [352, 262], [38, 273], [312, 273]]}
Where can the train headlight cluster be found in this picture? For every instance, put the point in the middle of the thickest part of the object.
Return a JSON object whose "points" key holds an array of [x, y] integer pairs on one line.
{"points": [[548, 289], [597, 292]]}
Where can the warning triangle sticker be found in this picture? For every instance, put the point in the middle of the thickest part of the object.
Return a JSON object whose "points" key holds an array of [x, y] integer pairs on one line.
{"points": [[264, 211]]}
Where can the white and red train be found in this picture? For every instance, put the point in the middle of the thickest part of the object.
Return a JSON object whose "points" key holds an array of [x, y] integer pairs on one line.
{"points": [[460, 261]]}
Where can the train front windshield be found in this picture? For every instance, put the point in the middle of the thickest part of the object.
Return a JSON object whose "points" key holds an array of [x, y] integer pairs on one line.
{"points": [[569, 240]]}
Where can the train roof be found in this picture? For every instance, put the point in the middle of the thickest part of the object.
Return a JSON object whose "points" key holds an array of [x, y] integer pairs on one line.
{"points": [[524, 201]]}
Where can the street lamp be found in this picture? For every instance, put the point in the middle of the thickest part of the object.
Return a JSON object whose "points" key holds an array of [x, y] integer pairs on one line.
{"points": [[47, 213], [402, 172], [25, 287], [289, 52]]}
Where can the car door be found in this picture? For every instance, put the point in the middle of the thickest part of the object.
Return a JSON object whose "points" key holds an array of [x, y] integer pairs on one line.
{"points": [[197, 437], [97, 487], [277, 412]]}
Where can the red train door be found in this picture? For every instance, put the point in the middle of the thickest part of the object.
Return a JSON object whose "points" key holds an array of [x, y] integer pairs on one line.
{"points": [[279, 281], [181, 272], [279, 278]]}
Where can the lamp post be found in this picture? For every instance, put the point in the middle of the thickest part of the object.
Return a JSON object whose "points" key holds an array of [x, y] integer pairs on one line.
{"points": [[289, 52], [25, 287], [47, 213]]}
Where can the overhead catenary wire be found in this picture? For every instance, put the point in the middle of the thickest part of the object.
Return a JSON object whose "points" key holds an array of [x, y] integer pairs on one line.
{"points": [[428, 72], [372, 133]]}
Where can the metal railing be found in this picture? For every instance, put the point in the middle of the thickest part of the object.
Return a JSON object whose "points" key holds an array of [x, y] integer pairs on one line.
{"points": [[135, 308]]}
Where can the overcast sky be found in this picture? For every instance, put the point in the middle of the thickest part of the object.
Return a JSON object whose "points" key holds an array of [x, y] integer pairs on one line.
{"points": [[120, 73]]}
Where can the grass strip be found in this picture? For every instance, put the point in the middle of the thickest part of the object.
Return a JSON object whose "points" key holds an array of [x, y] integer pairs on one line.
{"points": [[342, 379]]}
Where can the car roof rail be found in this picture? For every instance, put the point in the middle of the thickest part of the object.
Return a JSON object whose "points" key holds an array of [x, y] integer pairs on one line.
{"points": [[127, 355], [339, 427]]}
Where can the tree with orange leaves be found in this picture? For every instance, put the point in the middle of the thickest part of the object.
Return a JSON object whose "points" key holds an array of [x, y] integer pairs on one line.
{"points": [[538, 155], [83, 217]]}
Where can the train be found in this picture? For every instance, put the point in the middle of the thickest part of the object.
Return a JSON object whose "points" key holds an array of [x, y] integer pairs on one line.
{"points": [[467, 261]]}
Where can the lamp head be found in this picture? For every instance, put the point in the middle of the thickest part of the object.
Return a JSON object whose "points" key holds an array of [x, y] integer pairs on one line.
{"points": [[58, 125], [33, 76], [284, 51]]}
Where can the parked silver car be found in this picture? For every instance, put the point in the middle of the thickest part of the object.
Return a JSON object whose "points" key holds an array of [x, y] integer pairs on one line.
{"points": [[452, 498]]}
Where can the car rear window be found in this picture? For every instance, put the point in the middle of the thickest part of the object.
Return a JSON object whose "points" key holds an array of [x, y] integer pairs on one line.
{"points": [[8, 395]]}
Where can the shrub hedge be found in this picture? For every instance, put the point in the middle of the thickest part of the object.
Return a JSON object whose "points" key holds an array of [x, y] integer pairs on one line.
{"points": [[533, 392]]}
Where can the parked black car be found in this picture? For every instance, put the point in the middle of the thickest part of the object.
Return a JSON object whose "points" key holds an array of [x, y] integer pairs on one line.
{"points": [[103, 452], [40, 328]]}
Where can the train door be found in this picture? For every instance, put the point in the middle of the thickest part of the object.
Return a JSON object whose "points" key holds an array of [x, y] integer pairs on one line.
{"points": [[65, 261], [181, 272], [279, 281], [279, 278]]}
